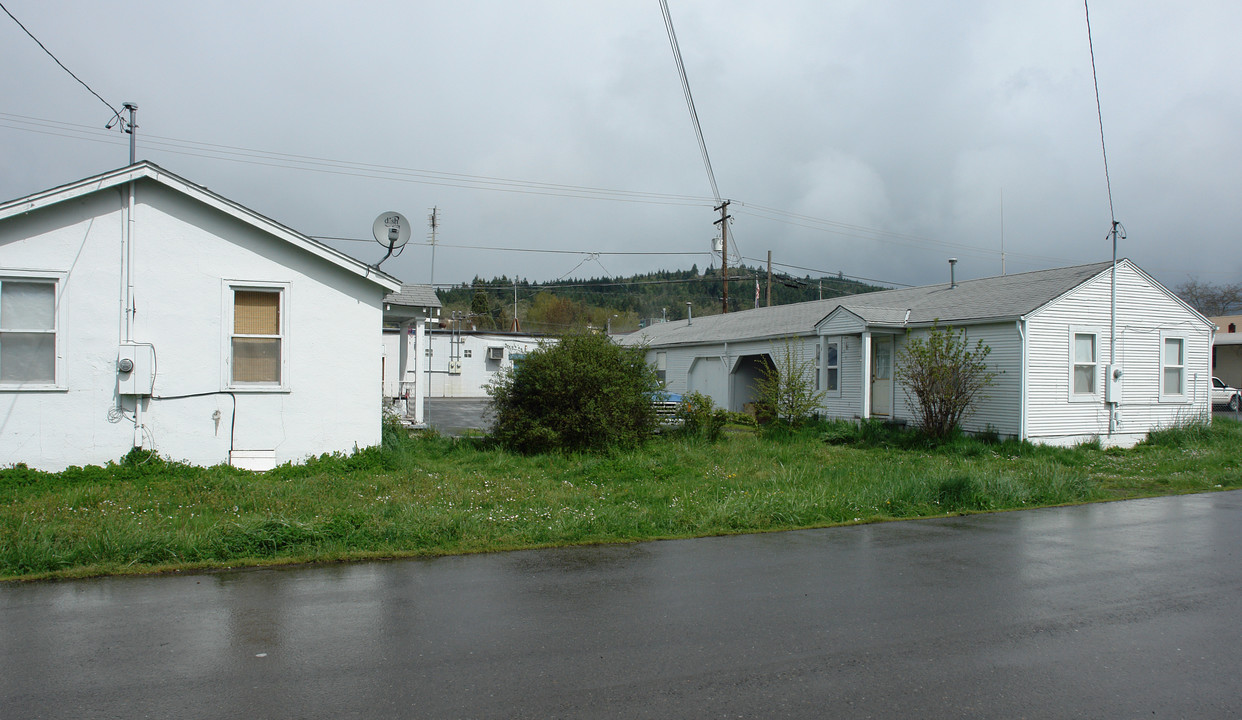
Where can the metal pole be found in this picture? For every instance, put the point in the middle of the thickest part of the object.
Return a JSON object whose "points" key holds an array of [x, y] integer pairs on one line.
{"points": [[131, 128], [1112, 335], [724, 263]]}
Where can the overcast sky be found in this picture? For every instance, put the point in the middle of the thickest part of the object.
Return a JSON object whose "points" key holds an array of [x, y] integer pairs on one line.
{"points": [[868, 137]]}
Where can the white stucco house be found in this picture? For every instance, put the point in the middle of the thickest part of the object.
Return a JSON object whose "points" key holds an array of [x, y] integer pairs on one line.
{"points": [[456, 363], [1051, 340], [138, 309]]}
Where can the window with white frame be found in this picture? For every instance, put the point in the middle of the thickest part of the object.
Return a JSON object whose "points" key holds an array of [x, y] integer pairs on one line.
{"points": [[819, 366], [662, 367], [1084, 354], [28, 331], [832, 366], [467, 353], [256, 344], [1172, 368]]}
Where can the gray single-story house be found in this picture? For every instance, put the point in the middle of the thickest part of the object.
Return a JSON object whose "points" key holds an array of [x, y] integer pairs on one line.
{"points": [[1050, 332]]}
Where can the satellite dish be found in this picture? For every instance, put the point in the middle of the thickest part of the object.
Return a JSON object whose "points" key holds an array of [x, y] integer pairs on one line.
{"points": [[391, 230]]}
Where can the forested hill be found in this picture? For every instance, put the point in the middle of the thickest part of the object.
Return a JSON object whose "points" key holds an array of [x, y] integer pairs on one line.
{"points": [[630, 302]]}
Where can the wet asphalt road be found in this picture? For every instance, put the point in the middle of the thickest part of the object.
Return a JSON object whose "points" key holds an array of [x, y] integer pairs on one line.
{"points": [[1119, 610]]}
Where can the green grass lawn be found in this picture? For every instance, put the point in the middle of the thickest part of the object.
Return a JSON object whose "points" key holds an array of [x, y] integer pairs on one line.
{"points": [[430, 495]]}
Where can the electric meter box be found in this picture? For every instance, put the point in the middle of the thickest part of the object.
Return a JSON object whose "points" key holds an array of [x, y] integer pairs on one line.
{"points": [[1113, 384], [135, 369]]}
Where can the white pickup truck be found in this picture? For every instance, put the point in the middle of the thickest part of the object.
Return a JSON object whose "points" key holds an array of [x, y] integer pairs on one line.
{"points": [[1224, 396]]}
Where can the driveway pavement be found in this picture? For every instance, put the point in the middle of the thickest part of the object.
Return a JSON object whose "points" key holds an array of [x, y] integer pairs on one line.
{"points": [[1119, 610], [457, 416]]}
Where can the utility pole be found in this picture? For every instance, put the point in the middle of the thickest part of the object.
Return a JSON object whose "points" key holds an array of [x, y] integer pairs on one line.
{"points": [[769, 278], [434, 221], [723, 222]]}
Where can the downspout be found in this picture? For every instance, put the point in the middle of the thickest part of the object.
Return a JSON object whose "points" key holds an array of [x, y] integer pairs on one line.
{"points": [[127, 274], [1022, 379]]}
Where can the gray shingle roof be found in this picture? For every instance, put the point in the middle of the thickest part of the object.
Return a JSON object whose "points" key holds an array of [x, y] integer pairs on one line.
{"points": [[1003, 296], [421, 296]]}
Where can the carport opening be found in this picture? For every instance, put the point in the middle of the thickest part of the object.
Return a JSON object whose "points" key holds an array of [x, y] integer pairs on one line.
{"points": [[745, 377]]}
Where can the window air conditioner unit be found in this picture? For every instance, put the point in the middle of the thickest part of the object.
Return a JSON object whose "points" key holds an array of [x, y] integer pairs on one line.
{"points": [[496, 353]]}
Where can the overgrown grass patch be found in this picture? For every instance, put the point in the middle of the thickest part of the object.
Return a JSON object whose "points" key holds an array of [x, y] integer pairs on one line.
{"points": [[429, 495]]}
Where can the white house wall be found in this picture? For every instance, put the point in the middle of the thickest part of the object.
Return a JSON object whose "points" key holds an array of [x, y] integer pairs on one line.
{"points": [[999, 408], [846, 401], [476, 371], [714, 374], [185, 256], [1143, 312]]}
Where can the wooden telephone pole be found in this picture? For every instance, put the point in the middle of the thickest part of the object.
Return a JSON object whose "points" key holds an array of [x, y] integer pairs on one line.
{"points": [[723, 222]]}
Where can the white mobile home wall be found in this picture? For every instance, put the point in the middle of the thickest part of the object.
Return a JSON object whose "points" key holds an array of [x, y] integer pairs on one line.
{"points": [[1146, 313], [476, 371]]}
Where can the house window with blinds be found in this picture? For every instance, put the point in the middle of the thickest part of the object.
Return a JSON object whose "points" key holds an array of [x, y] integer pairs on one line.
{"points": [[258, 336]]}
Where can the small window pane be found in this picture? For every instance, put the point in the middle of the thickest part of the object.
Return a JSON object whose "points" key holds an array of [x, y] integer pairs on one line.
{"points": [[1173, 351], [1084, 379], [1172, 381], [27, 305], [256, 312], [832, 379], [832, 354], [1084, 348], [256, 360], [27, 357]]}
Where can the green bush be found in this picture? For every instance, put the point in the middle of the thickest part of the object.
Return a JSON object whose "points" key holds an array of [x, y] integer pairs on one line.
{"points": [[583, 393], [700, 417]]}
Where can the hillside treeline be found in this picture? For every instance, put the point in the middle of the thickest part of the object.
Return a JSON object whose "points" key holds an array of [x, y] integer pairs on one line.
{"points": [[629, 302]]}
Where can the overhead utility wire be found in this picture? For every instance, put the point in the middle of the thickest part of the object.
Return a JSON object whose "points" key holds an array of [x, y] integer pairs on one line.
{"points": [[115, 112], [530, 250], [173, 145], [859, 231], [685, 88], [828, 273], [371, 170], [1099, 114]]}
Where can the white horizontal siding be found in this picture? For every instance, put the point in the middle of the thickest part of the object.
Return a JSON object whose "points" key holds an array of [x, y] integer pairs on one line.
{"points": [[847, 402], [1000, 406], [1143, 310]]}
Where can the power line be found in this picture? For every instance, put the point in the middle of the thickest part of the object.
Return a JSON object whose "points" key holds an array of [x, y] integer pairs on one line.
{"points": [[115, 112], [685, 89], [360, 169], [828, 273], [1099, 114], [291, 161]]}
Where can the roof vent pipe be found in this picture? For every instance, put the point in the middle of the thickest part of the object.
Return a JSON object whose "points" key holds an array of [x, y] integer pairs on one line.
{"points": [[952, 281], [689, 314]]}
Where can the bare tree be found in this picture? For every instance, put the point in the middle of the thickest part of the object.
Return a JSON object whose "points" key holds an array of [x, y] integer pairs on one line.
{"points": [[787, 385], [1211, 299], [945, 376]]}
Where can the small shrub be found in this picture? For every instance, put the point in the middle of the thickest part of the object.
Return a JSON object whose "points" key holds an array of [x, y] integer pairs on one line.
{"points": [[700, 417], [786, 386], [582, 394]]}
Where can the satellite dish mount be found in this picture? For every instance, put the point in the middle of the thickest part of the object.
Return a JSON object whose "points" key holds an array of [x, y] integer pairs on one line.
{"points": [[391, 230]]}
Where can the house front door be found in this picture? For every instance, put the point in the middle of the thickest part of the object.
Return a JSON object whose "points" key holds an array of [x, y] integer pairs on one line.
{"points": [[882, 375]]}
